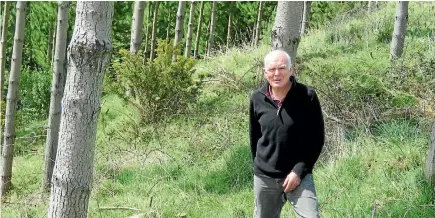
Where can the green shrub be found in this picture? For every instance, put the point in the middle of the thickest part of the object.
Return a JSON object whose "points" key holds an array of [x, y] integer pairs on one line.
{"points": [[161, 88], [34, 95]]}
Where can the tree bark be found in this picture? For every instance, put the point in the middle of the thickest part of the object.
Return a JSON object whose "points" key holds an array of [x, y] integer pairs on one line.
{"points": [[212, 25], [400, 24], [198, 31], [136, 26], [12, 99], [286, 31], [88, 56], [187, 51], [259, 17], [3, 60], [57, 87], [229, 25], [306, 17], [154, 30], [179, 25]]}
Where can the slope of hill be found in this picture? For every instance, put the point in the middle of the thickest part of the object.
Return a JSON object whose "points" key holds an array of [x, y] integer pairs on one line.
{"points": [[198, 164]]}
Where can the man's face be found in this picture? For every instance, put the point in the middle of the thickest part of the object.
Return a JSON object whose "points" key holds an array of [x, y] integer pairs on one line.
{"points": [[278, 73]]}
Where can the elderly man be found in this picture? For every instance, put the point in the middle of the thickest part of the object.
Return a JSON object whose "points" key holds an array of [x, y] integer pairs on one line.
{"points": [[286, 135]]}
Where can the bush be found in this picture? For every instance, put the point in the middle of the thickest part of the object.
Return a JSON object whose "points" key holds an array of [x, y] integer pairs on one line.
{"points": [[34, 95], [160, 88]]}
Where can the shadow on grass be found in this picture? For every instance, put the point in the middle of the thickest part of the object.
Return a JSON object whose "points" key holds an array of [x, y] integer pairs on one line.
{"points": [[236, 174]]}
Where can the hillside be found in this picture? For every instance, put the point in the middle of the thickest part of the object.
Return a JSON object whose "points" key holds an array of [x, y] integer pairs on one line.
{"points": [[198, 164]]}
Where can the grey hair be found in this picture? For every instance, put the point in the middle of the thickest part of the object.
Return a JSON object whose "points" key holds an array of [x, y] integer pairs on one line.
{"points": [[272, 55]]}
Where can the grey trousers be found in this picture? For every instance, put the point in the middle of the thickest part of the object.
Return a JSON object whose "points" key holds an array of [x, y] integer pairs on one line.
{"points": [[270, 198]]}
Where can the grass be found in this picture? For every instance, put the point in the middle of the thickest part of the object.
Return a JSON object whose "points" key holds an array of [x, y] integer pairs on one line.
{"points": [[198, 164]]}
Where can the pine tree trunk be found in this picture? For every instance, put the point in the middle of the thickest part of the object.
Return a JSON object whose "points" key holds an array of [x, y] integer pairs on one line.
{"points": [[187, 51], [399, 30], [198, 31], [147, 30], [306, 17], [57, 87], [259, 17], [136, 26], [212, 25], [3, 60], [229, 25], [12, 99], [179, 25], [88, 56], [286, 31], [154, 30]]}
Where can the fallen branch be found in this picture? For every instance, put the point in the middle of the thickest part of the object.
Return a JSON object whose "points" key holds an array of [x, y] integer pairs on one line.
{"points": [[119, 208]]}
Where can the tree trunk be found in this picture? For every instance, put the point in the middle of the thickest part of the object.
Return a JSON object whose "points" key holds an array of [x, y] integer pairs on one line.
{"points": [[198, 31], [12, 99], [212, 25], [253, 33], [258, 29], [88, 56], [57, 87], [187, 51], [3, 60], [286, 31], [306, 17], [53, 43], [179, 25], [147, 30], [229, 25], [154, 30], [399, 30], [136, 26]]}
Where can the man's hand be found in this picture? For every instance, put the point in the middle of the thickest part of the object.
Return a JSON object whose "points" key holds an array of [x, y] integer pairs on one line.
{"points": [[291, 182]]}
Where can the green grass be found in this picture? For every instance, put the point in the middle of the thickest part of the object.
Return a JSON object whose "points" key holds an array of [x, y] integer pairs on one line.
{"points": [[198, 164]]}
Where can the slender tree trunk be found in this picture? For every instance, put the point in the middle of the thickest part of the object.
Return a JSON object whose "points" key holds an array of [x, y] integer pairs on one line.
{"points": [[136, 26], [187, 51], [259, 17], [53, 43], [88, 56], [3, 60], [229, 25], [306, 17], [254, 27], [286, 31], [212, 25], [154, 30], [57, 87], [400, 24], [179, 25], [147, 30], [198, 31], [12, 99]]}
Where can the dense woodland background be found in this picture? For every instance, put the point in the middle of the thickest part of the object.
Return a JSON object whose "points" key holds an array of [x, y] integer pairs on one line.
{"points": [[172, 135]]}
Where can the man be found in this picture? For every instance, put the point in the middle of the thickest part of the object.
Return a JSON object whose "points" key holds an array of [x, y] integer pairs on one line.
{"points": [[287, 135]]}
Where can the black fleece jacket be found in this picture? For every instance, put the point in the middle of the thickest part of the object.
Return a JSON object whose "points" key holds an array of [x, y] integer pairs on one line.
{"points": [[287, 138]]}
